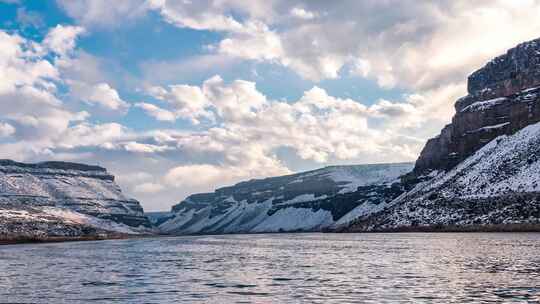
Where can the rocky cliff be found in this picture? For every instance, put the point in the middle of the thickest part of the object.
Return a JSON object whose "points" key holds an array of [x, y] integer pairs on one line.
{"points": [[308, 201], [503, 97], [59, 199], [497, 188]]}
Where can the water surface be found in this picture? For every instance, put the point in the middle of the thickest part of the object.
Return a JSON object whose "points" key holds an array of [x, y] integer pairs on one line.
{"points": [[277, 268]]}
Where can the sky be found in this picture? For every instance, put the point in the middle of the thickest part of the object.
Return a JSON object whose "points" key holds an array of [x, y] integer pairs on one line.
{"points": [[180, 97]]}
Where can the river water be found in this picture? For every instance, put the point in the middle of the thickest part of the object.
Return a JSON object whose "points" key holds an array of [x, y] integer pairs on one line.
{"points": [[277, 268]]}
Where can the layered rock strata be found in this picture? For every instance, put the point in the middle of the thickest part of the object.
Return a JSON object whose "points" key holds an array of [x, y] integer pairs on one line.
{"points": [[55, 199], [504, 97]]}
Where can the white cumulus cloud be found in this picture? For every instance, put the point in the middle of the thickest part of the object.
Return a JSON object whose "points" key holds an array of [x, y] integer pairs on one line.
{"points": [[148, 188], [100, 94], [6, 130], [61, 39]]}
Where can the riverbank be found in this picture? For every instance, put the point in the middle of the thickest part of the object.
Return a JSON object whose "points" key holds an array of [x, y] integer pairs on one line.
{"points": [[502, 228], [23, 239]]}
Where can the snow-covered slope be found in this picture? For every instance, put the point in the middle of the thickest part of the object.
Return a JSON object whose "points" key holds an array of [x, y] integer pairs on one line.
{"points": [[63, 199], [498, 186], [309, 201]]}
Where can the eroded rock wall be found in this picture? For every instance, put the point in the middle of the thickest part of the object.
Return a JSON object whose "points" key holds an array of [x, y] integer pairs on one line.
{"points": [[504, 97]]}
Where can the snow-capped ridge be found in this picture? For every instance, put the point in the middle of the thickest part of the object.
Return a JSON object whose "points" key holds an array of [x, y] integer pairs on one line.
{"points": [[68, 196], [306, 201], [55, 168]]}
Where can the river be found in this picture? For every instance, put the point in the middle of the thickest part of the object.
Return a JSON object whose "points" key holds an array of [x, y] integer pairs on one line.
{"points": [[277, 268]]}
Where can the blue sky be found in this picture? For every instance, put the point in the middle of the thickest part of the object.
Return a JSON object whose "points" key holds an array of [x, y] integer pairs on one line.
{"points": [[160, 92]]}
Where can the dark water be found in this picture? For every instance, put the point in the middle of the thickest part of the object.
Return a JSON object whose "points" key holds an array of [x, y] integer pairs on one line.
{"points": [[281, 268]]}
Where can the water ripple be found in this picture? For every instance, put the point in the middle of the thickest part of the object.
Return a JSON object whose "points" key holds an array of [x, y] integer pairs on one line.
{"points": [[281, 268]]}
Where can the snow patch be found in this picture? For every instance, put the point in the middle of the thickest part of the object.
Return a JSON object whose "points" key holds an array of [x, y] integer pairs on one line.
{"points": [[359, 176], [295, 219], [488, 128], [84, 219], [484, 105], [304, 198]]}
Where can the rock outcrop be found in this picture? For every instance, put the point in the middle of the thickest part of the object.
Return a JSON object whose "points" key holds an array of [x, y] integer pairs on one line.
{"points": [[504, 97], [59, 199], [309, 201]]}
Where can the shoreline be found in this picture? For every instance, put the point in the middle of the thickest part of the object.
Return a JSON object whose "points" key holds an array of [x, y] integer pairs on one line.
{"points": [[493, 228], [507, 228], [17, 240]]}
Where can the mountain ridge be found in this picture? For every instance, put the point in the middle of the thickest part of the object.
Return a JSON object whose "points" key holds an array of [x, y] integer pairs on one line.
{"points": [[306, 201]]}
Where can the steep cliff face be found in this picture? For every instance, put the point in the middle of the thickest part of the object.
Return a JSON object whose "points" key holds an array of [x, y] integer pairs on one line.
{"points": [[309, 201], [498, 188], [63, 199], [504, 97]]}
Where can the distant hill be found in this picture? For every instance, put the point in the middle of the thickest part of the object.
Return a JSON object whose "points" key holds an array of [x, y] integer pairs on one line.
{"points": [[308, 201]]}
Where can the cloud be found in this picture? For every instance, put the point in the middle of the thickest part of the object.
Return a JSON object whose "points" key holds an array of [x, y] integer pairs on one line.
{"points": [[417, 46], [28, 89], [148, 188], [100, 94], [234, 101], [61, 39], [166, 71], [134, 177], [200, 15], [36, 114], [301, 13], [6, 130], [89, 82], [181, 176], [386, 40], [136, 147], [98, 135], [387, 108], [157, 112], [399, 56], [254, 42], [389, 37], [22, 65], [209, 176], [189, 102], [83, 67], [29, 19], [319, 127], [103, 13]]}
